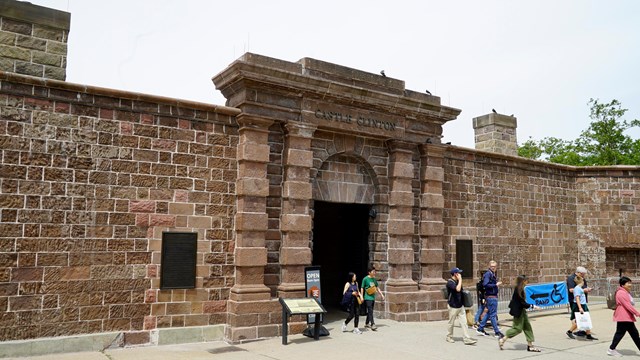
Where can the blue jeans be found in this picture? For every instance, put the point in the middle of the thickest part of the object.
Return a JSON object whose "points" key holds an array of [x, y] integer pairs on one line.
{"points": [[492, 305], [481, 306]]}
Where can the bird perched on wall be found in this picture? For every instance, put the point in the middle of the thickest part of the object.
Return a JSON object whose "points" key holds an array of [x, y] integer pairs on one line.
{"points": [[382, 73], [428, 92], [428, 141], [511, 115], [494, 111]]}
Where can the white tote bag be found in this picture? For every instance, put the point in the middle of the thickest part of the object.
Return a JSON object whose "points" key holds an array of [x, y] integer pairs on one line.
{"points": [[583, 321]]}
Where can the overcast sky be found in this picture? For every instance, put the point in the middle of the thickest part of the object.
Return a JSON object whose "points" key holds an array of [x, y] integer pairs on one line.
{"points": [[540, 60]]}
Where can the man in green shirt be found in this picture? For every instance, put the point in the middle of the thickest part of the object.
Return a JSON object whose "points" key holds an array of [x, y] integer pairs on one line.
{"points": [[370, 288]]}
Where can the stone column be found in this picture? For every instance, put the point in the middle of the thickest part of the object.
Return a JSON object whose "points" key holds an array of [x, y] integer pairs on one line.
{"points": [[400, 225], [496, 133], [295, 221], [431, 224], [250, 298]]}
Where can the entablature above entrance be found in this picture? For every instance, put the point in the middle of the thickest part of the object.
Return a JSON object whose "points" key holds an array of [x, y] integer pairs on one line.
{"points": [[332, 97]]}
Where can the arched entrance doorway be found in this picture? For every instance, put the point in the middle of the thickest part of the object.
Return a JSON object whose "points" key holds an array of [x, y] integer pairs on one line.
{"points": [[340, 245], [343, 212]]}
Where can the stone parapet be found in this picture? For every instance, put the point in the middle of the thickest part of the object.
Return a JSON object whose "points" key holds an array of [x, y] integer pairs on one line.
{"points": [[496, 133], [33, 40]]}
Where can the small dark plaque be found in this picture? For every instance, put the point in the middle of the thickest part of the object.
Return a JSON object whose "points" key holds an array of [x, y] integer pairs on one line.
{"points": [[464, 256], [178, 260]]}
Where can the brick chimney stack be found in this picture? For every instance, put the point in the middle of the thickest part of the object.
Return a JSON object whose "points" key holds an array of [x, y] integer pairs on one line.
{"points": [[33, 40], [496, 133]]}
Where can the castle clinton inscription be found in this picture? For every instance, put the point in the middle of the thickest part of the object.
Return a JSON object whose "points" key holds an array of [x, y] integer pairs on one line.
{"points": [[338, 117]]}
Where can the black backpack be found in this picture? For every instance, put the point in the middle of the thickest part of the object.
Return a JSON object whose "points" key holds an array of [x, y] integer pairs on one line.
{"points": [[480, 289]]}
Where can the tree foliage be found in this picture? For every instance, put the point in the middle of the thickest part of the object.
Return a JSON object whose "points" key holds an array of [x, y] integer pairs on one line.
{"points": [[604, 142]]}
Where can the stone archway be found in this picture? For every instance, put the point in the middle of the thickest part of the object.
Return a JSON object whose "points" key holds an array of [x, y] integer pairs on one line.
{"points": [[345, 178], [344, 192]]}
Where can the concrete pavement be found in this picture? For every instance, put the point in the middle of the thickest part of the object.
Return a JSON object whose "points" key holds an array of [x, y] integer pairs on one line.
{"points": [[392, 340]]}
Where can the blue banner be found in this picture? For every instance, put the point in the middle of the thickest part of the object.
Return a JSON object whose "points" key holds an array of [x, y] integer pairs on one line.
{"points": [[547, 294]]}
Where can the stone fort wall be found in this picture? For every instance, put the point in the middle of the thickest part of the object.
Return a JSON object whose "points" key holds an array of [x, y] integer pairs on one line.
{"points": [[90, 180], [541, 219]]}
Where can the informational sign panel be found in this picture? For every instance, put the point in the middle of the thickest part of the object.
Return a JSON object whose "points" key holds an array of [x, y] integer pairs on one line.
{"points": [[548, 294], [312, 286], [302, 306]]}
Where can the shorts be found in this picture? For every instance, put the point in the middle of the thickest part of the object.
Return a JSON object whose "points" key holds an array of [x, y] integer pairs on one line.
{"points": [[574, 310]]}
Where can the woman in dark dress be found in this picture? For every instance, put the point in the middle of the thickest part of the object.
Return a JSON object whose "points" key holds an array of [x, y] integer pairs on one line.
{"points": [[518, 309]]}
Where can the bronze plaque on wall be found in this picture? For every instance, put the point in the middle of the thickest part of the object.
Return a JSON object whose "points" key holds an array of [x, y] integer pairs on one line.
{"points": [[178, 264], [464, 257]]}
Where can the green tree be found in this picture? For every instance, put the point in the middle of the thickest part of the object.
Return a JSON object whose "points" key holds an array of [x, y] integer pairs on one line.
{"points": [[604, 142]]}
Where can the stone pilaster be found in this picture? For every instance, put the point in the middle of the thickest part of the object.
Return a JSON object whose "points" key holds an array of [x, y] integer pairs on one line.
{"points": [[250, 299], [431, 228], [400, 226], [295, 221]]}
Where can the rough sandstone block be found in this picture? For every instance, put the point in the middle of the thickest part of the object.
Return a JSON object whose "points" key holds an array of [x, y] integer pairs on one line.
{"points": [[400, 227], [295, 256], [431, 228], [295, 222], [251, 256], [400, 256]]}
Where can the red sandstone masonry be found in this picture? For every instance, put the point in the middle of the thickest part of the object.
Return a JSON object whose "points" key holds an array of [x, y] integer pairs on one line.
{"points": [[77, 211]]}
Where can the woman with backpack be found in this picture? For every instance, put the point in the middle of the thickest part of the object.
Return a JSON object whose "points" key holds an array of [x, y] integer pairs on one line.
{"points": [[351, 300], [624, 315]]}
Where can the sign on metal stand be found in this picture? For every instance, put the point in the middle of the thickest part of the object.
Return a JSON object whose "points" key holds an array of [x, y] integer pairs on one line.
{"points": [[312, 286], [304, 306]]}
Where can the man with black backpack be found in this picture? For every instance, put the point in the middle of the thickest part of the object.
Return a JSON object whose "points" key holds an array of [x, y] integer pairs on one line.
{"points": [[456, 307], [491, 284]]}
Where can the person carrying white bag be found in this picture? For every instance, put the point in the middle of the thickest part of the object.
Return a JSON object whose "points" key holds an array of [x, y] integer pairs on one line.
{"points": [[583, 318]]}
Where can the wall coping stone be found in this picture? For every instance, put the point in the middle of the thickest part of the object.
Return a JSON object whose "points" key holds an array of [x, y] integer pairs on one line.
{"points": [[95, 90], [27, 12], [578, 171]]}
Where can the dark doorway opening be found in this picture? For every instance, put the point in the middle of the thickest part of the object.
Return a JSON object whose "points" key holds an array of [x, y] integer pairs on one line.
{"points": [[340, 245]]}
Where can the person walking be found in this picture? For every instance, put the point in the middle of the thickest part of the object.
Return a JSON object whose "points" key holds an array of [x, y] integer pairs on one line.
{"points": [[624, 316], [581, 271], [491, 284], [352, 298], [456, 307], [579, 305], [370, 287], [518, 309]]}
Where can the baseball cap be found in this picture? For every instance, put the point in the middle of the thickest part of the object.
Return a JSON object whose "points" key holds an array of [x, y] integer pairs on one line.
{"points": [[455, 270]]}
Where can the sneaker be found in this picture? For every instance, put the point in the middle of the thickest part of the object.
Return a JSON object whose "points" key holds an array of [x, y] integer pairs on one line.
{"points": [[450, 339], [481, 332], [589, 337], [367, 326], [570, 334], [613, 352], [357, 331], [580, 333], [344, 327], [374, 327], [470, 341], [498, 335]]}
